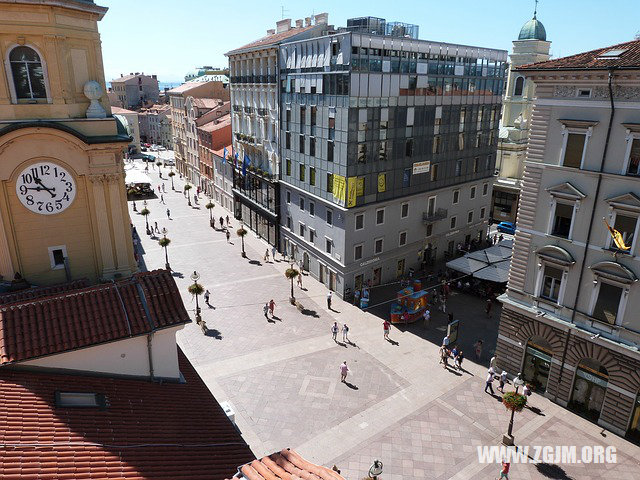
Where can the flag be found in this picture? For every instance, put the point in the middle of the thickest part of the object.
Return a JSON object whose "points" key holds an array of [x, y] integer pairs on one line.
{"points": [[224, 156], [236, 159], [246, 162], [617, 236]]}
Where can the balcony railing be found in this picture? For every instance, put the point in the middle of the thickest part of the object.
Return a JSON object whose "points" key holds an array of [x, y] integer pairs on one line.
{"points": [[263, 112], [434, 215], [253, 79]]}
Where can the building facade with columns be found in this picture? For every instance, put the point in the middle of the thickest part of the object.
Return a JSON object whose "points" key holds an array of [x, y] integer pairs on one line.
{"points": [[569, 320], [255, 98], [531, 47], [62, 169]]}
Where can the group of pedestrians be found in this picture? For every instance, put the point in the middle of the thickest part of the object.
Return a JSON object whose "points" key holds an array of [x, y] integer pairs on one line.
{"points": [[269, 308], [446, 353], [335, 328]]}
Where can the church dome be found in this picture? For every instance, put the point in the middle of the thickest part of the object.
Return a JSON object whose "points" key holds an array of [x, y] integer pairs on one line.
{"points": [[533, 30]]}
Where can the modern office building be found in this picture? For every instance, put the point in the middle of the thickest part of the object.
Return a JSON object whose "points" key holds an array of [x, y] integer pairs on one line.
{"points": [[388, 152], [569, 319], [255, 97], [530, 47], [136, 89]]}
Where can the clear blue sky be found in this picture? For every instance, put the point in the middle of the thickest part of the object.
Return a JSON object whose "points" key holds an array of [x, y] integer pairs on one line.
{"points": [[170, 38]]}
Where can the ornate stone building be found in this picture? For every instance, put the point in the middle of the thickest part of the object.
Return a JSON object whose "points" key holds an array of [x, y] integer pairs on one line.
{"points": [[569, 320], [531, 47]]}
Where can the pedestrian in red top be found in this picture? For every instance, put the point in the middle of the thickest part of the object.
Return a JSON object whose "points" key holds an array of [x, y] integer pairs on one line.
{"points": [[504, 473], [386, 326], [272, 306]]}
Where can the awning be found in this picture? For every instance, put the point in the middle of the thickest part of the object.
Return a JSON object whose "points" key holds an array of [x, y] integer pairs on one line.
{"points": [[496, 272], [136, 177], [491, 264]]}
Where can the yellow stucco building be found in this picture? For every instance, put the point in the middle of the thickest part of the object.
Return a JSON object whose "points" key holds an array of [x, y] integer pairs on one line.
{"points": [[63, 211]]}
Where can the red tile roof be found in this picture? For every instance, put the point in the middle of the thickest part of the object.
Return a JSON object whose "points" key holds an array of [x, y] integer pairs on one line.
{"points": [[272, 39], [36, 292], [148, 430], [56, 322], [593, 60], [286, 465]]}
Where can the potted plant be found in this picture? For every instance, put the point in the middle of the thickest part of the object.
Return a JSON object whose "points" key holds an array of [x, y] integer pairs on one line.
{"points": [[514, 402], [171, 175], [241, 232], [209, 206], [291, 273]]}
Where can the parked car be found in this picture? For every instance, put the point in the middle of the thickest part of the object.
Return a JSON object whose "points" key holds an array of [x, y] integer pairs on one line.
{"points": [[168, 162], [148, 158], [507, 227], [161, 149]]}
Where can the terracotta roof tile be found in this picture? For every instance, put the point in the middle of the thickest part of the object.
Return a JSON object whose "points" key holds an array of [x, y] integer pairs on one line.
{"points": [[148, 431], [593, 60], [272, 39], [285, 465], [30, 293], [76, 318]]}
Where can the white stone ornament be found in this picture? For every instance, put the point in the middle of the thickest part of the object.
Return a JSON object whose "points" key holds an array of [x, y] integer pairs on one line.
{"points": [[45, 188], [93, 91]]}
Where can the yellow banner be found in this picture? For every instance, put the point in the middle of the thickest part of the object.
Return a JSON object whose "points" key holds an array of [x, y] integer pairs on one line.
{"points": [[382, 182], [351, 191], [360, 187], [339, 188]]}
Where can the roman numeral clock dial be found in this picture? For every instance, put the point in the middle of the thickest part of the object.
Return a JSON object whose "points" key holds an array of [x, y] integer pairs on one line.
{"points": [[46, 188]]}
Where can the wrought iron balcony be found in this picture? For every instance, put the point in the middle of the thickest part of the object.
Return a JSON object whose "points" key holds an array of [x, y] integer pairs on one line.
{"points": [[263, 112], [434, 215]]}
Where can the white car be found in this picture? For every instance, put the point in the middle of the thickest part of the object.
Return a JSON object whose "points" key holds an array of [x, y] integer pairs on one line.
{"points": [[162, 149], [169, 162]]}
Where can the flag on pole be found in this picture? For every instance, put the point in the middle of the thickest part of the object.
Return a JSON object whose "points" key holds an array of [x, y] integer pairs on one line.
{"points": [[245, 164], [617, 236], [224, 156], [236, 159]]}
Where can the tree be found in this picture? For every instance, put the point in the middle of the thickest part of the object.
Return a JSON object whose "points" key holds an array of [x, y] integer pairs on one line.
{"points": [[171, 175], [291, 274], [241, 232], [188, 187], [209, 206], [145, 211]]}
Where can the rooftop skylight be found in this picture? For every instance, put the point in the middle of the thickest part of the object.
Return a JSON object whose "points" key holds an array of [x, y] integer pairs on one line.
{"points": [[612, 53]]}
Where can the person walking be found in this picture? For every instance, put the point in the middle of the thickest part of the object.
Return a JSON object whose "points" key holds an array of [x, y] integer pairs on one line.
{"points": [[426, 316], [478, 349], [221, 220], [345, 333], [503, 380], [155, 227], [163, 189], [334, 331], [489, 382], [504, 471], [446, 340], [386, 326], [272, 306], [168, 214], [458, 360], [273, 249], [228, 236], [207, 295], [265, 309], [329, 295], [158, 188], [162, 199], [344, 370], [227, 220], [135, 209], [266, 253], [300, 280], [488, 307]]}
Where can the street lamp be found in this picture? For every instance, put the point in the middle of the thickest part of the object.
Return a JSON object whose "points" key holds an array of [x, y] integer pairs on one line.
{"points": [[196, 289], [375, 469], [164, 243], [145, 211], [508, 438]]}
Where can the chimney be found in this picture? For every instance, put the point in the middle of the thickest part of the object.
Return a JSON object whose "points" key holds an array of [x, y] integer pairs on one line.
{"points": [[321, 18], [271, 31], [283, 25], [121, 75], [307, 21], [299, 23]]}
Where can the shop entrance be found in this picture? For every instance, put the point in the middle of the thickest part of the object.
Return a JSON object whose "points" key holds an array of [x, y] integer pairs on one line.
{"points": [[634, 427], [537, 363], [589, 389]]}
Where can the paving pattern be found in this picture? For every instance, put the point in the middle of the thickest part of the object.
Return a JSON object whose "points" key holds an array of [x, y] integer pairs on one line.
{"points": [[400, 406]]}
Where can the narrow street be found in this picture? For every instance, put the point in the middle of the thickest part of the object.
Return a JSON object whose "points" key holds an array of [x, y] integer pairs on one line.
{"points": [[282, 378]]}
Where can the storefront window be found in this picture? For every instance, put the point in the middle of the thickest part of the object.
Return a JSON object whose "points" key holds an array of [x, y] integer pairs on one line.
{"points": [[634, 426], [589, 389], [537, 363]]}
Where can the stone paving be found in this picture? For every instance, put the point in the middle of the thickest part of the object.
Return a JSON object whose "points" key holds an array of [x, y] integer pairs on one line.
{"points": [[400, 406]]}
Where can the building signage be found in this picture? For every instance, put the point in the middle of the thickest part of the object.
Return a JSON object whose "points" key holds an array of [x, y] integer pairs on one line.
{"points": [[453, 232], [339, 188], [382, 182], [351, 191], [421, 167], [592, 378], [370, 261]]}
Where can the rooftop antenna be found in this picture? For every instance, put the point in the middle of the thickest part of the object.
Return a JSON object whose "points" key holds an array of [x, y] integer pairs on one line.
{"points": [[282, 12]]}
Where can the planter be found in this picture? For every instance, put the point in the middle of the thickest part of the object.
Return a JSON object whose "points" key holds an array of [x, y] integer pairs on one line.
{"points": [[514, 401]]}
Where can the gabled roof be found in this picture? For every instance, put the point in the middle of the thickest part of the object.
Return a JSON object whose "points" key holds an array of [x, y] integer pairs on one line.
{"points": [[623, 55], [273, 39], [68, 320], [285, 465], [121, 111], [566, 190], [150, 431], [37, 292]]}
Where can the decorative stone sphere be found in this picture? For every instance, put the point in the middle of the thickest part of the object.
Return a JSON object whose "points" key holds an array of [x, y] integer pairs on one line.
{"points": [[92, 90]]}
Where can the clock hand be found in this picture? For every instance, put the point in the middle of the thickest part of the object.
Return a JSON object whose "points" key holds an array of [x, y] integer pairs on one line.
{"points": [[42, 187]]}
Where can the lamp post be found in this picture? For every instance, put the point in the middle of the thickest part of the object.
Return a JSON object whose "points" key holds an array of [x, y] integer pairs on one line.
{"points": [[164, 243], [145, 211], [375, 469], [508, 438], [196, 289]]}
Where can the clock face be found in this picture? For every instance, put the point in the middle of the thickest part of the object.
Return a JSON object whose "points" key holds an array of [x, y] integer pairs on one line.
{"points": [[46, 188]]}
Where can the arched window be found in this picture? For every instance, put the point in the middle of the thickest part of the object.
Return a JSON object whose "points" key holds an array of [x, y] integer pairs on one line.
{"points": [[28, 74], [517, 91]]}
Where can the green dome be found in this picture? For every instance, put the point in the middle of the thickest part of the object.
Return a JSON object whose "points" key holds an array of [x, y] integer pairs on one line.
{"points": [[533, 30]]}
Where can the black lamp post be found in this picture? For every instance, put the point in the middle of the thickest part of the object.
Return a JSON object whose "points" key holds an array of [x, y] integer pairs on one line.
{"points": [[165, 243], [146, 212], [508, 438], [195, 276]]}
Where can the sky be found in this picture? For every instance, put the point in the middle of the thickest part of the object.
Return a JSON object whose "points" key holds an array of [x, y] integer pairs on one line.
{"points": [[169, 38]]}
